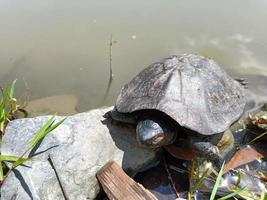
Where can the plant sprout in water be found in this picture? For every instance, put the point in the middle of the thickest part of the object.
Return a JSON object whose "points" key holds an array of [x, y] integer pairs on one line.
{"points": [[112, 41]]}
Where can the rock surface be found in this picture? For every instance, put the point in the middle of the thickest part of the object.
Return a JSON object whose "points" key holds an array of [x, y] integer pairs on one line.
{"points": [[78, 149]]}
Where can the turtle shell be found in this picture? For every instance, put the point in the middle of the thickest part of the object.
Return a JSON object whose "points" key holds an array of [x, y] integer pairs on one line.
{"points": [[191, 89]]}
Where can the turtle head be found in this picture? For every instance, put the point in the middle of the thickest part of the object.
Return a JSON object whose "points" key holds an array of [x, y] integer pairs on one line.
{"points": [[152, 133]]}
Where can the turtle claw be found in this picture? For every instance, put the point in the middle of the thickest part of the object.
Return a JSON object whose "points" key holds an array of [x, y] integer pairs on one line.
{"points": [[242, 81], [107, 115]]}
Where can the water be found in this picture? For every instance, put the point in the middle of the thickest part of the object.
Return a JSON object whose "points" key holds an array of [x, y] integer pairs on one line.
{"points": [[61, 47]]}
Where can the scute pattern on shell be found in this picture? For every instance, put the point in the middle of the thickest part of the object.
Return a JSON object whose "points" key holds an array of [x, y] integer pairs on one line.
{"points": [[191, 89]]}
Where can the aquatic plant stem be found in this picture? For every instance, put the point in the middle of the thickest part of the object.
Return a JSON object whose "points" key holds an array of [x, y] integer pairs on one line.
{"points": [[110, 57], [111, 75]]}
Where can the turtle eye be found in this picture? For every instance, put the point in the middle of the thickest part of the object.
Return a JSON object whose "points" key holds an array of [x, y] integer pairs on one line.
{"points": [[155, 125], [150, 124]]}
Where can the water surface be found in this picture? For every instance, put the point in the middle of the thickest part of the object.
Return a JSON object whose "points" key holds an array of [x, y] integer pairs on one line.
{"points": [[61, 47]]}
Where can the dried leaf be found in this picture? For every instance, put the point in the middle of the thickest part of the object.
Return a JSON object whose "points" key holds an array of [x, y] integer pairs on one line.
{"points": [[241, 157]]}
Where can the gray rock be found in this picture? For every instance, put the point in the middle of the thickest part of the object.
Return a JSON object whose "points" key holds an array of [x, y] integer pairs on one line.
{"points": [[78, 149]]}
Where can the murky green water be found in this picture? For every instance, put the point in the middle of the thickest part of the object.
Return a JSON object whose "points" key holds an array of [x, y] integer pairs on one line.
{"points": [[61, 47]]}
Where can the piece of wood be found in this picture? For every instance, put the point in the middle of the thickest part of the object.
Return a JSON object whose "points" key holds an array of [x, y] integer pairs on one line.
{"points": [[119, 186]]}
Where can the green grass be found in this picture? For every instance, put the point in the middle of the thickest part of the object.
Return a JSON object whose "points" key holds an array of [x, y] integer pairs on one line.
{"points": [[47, 128], [218, 179], [8, 108], [231, 195], [199, 181], [8, 105], [263, 196], [217, 183]]}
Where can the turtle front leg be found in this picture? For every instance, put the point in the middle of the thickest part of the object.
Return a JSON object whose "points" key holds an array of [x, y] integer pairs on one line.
{"points": [[215, 148], [208, 151]]}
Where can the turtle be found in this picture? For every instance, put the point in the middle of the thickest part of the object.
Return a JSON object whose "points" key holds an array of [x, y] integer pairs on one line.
{"points": [[182, 96]]}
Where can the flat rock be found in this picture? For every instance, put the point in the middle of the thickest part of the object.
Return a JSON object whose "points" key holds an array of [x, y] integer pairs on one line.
{"points": [[78, 149]]}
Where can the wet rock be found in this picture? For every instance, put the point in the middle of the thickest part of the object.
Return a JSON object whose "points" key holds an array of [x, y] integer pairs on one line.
{"points": [[78, 149]]}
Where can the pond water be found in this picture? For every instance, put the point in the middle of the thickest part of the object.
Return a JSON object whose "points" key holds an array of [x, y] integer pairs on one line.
{"points": [[57, 47]]}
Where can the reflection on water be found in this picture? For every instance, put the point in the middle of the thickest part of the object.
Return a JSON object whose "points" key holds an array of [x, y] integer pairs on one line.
{"points": [[61, 47]]}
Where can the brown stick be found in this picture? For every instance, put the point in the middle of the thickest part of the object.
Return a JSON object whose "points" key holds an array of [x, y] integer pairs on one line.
{"points": [[170, 178], [119, 186]]}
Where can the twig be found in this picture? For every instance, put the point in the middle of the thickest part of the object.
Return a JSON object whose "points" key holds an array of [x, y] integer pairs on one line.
{"points": [[258, 137], [170, 178], [177, 169]]}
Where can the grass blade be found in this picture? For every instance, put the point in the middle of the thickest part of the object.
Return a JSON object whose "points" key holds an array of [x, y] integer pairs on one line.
{"points": [[51, 128], [263, 196], [20, 161], [258, 137], [1, 172], [218, 180], [246, 196], [199, 181], [41, 133], [10, 158], [228, 196], [11, 89], [47, 128]]}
